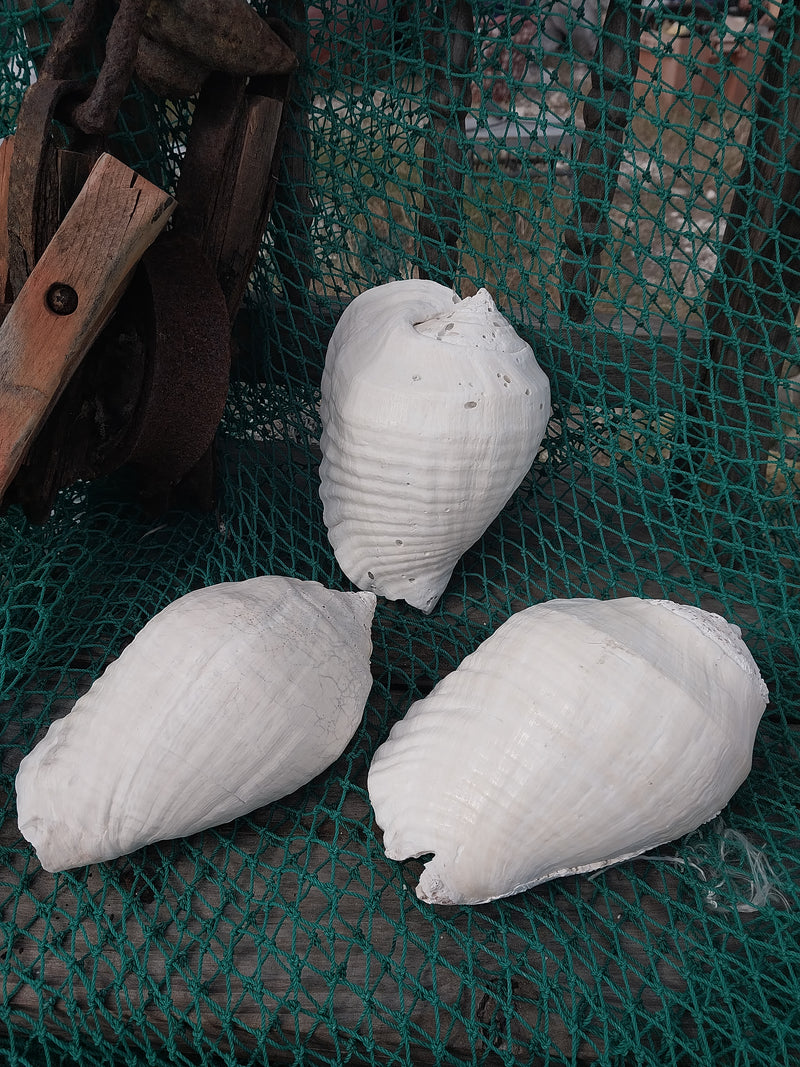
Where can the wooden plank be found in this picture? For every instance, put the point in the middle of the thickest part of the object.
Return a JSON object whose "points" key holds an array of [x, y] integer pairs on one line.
{"points": [[753, 299], [6, 149], [205, 183], [251, 199], [229, 175], [168, 948], [607, 116], [440, 223], [114, 219]]}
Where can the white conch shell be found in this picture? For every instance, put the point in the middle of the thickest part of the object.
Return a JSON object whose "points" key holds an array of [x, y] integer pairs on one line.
{"points": [[231, 697], [433, 410], [581, 733]]}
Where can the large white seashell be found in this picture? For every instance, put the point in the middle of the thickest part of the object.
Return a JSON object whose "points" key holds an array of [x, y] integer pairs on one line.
{"points": [[231, 697], [581, 733], [433, 410]]}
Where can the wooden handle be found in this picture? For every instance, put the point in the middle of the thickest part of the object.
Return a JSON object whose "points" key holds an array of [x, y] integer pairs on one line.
{"points": [[69, 296]]}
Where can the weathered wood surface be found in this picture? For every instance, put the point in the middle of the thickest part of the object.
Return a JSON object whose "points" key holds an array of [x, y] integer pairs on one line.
{"points": [[607, 116], [113, 221], [226, 192], [440, 221], [753, 298], [6, 148], [174, 952]]}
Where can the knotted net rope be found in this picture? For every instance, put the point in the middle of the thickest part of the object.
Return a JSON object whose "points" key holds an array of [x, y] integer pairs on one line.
{"points": [[669, 470]]}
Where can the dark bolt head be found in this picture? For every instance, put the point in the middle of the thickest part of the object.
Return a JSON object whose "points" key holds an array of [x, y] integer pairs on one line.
{"points": [[61, 298]]}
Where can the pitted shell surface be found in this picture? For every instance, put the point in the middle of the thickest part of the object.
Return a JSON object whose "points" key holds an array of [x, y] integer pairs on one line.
{"points": [[433, 410]]}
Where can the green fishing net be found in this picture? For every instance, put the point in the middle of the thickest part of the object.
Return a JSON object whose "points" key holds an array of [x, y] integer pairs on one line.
{"points": [[623, 183]]}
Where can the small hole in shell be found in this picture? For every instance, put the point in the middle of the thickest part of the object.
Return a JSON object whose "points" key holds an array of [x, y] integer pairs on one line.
{"points": [[471, 404], [398, 540], [371, 576]]}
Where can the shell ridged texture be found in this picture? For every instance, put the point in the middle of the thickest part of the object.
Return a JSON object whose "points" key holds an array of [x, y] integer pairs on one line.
{"points": [[231, 697], [433, 410], [579, 734]]}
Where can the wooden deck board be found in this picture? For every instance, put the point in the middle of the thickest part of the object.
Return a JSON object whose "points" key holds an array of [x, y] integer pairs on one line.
{"points": [[164, 945]]}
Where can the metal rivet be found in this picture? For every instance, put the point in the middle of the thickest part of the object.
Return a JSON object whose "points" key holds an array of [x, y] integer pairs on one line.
{"points": [[61, 298]]}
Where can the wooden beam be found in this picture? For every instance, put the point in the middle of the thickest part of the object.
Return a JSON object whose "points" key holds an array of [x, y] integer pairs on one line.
{"points": [[607, 116]]}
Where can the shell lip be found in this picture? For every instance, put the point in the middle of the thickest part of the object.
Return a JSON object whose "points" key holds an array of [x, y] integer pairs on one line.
{"points": [[432, 889]]}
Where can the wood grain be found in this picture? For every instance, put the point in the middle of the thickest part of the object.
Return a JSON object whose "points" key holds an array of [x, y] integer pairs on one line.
{"points": [[6, 149], [112, 222], [252, 195], [607, 116], [228, 180]]}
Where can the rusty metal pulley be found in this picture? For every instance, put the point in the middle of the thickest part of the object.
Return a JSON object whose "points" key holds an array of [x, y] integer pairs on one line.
{"points": [[118, 300]]}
